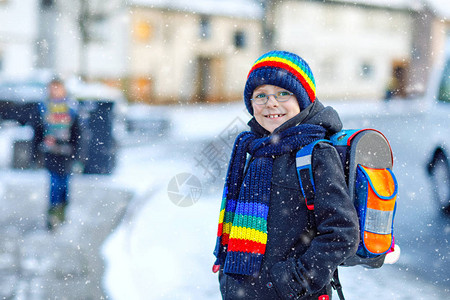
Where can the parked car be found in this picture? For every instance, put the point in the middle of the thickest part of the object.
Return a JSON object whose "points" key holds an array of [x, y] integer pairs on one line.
{"points": [[99, 107], [438, 166], [19, 103]]}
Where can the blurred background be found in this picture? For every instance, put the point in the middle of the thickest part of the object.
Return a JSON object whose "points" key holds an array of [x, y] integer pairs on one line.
{"points": [[158, 85], [199, 51]]}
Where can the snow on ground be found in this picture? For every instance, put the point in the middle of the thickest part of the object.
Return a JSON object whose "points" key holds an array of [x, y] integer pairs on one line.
{"points": [[164, 251]]}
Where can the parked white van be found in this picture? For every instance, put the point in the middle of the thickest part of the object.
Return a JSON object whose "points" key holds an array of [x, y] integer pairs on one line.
{"points": [[419, 132]]}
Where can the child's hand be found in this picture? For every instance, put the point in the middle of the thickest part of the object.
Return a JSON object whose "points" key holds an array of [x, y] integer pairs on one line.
{"points": [[286, 280]]}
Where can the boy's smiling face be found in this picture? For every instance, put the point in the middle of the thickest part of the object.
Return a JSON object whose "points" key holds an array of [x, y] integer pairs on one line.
{"points": [[272, 114]]}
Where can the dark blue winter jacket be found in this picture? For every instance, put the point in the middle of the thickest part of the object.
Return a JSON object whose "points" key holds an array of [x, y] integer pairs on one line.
{"points": [[303, 247]]}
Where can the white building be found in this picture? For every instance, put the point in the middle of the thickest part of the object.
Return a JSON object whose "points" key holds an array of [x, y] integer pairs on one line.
{"points": [[101, 52], [189, 51], [157, 51], [18, 36], [355, 47]]}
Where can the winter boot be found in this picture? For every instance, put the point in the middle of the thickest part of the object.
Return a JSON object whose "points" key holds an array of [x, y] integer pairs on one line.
{"points": [[55, 216]]}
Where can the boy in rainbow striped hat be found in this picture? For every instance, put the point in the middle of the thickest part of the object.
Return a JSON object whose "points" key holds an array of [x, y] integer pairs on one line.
{"points": [[268, 244]]}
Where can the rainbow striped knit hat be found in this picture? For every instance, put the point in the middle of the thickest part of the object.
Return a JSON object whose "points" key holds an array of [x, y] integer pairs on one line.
{"points": [[286, 70]]}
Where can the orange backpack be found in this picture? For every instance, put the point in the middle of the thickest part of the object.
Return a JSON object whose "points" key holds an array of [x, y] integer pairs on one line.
{"points": [[367, 160]]}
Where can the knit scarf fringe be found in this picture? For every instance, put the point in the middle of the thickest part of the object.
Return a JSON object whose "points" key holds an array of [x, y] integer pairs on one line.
{"points": [[242, 231]]}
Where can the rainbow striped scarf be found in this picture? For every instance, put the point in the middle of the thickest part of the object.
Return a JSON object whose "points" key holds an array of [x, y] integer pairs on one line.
{"points": [[242, 233]]}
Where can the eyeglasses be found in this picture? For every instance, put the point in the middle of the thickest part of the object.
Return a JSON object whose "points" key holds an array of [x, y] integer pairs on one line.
{"points": [[262, 98]]}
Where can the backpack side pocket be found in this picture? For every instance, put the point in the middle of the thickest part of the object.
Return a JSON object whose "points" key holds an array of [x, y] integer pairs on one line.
{"points": [[376, 194]]}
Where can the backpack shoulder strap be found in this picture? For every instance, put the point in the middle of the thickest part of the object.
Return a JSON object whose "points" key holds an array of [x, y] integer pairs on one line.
{"points": [[303, 162]]}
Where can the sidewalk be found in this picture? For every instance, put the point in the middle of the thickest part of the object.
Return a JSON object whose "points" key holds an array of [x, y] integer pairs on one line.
{"points": [[65, 264]]}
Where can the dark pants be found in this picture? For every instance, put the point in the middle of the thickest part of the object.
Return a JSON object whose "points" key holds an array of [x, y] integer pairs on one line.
{"points": [[59, 189]]}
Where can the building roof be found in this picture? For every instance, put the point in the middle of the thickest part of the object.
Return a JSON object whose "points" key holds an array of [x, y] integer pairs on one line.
{"points": [[438, 7], [254, 9], [396, 4], [234, 8]]}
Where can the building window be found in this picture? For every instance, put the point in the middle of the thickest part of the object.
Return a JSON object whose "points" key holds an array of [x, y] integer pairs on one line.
{"points": [[205, 27], [98, 28], [366, 71], [444, 88], [143, 31], [239, 39], [44, 3]]}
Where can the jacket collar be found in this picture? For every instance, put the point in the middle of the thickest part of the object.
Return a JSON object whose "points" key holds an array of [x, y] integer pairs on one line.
{"points": [[296, 120]]}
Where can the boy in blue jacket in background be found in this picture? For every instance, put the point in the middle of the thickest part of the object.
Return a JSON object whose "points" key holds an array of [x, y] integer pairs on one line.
{"points": [[60, 145]]}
